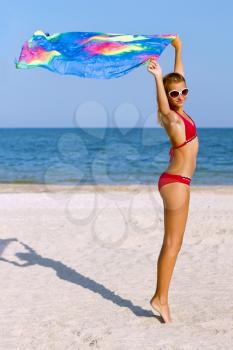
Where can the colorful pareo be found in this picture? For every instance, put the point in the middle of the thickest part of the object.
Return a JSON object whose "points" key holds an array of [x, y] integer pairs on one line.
{"points": [[91, 54]]}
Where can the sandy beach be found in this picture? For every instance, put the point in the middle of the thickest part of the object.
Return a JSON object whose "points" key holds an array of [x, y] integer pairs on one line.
{"points": [[78, 269]]}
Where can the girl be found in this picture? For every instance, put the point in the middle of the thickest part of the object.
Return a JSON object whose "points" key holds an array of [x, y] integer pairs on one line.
{"points": [[174, 182]]}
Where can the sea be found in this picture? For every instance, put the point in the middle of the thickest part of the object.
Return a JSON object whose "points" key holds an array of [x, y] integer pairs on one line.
{"points": [[73, 156]]}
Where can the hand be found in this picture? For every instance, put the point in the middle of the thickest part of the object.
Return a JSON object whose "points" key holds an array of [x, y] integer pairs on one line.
{"points": [[177, 43], [154, 68]]}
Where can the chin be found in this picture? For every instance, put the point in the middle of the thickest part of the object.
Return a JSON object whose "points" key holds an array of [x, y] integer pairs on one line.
{"points": [[178, 104]]}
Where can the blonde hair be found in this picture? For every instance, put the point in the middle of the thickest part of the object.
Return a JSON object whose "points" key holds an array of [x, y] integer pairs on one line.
{"points": [[167, 80]]}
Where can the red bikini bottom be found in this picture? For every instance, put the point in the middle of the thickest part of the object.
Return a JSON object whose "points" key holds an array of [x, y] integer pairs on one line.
{"points": [[166, 178]]}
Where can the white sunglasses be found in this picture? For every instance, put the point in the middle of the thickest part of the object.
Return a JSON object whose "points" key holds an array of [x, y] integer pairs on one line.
{"points": [[176, 93]]}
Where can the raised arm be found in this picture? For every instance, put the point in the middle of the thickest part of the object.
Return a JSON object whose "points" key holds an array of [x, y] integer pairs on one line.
{"points": [[163, 105], [177, 44]]}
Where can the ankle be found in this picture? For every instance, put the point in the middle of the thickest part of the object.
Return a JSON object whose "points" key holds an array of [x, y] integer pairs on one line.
{"points": [[161, 299]]}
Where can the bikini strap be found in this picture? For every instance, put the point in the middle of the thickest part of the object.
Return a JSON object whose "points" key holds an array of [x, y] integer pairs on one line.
{"points": [[184, 143], [190, 118], [194, 125]]}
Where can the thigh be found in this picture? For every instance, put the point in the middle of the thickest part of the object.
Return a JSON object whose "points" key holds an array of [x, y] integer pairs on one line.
{"points": [[176, 197]]}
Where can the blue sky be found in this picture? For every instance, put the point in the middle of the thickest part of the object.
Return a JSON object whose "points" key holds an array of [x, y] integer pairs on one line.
{"points": [[39, 98]]}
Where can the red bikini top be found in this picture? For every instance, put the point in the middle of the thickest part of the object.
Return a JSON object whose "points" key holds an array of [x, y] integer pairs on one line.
{"points": [[190, 132]]}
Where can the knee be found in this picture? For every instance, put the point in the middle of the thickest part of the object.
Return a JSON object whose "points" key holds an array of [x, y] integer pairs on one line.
{"points": [[172, 247]]}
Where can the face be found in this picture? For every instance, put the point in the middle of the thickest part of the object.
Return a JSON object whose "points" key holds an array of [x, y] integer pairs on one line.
{"points": [[180, 100]]}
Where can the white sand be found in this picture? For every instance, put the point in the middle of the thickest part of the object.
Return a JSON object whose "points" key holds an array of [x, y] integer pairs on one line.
{"points": [[78, 267]]}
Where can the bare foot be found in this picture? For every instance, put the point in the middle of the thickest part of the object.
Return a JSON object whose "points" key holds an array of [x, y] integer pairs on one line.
{"points": [[162, 309]]}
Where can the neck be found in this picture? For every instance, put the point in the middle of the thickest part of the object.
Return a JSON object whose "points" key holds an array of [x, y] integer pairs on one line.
{"points": [[177, 109]]}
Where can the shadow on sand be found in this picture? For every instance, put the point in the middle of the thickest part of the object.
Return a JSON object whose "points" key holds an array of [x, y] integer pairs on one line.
{"points": [[66, 273]]}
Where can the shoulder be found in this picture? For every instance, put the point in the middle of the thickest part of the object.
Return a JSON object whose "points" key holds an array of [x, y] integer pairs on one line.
{"points": [[173, 124], [170, 119]]}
